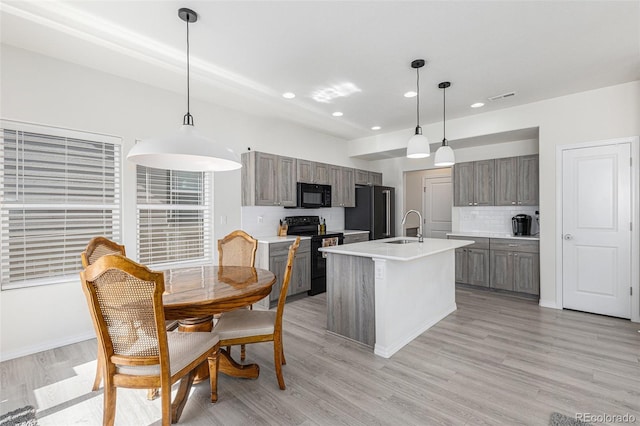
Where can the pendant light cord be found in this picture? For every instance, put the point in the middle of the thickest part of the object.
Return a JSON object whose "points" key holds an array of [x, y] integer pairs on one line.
{"points": [[444, 115], [418, 97], [188, 118]]}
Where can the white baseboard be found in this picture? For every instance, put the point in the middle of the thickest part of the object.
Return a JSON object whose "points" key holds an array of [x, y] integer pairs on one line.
{"points": [[45, 346], [548, 304], [388, 351]]}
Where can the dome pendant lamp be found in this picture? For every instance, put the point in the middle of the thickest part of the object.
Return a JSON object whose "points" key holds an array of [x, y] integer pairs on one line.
{"points": [[185, 149], [418, 146], [444, 155]]}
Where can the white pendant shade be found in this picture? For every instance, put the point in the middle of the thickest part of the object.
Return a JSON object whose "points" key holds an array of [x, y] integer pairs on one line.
{"points": [[418, 147], [186, 150], [444, 157]]}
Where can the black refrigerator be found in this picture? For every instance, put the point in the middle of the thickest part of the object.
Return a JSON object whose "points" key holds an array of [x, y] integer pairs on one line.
{"points": [[374, 212]]}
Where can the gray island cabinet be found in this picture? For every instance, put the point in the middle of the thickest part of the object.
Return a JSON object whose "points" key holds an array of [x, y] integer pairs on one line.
{"points": [[383, 294]]}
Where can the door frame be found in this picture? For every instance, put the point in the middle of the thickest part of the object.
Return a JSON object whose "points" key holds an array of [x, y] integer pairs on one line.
{"points": [[634, 142]]}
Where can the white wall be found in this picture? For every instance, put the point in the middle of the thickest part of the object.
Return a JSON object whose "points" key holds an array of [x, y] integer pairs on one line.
{"points": [[42, 90], [606, 113]]}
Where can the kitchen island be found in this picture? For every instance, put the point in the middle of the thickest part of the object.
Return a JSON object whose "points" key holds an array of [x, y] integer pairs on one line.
{"points": [[385, 293]]}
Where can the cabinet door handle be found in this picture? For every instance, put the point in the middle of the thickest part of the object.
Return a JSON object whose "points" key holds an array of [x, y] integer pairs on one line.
{"points": [[470, 204], [513, 245], [513, 202]]}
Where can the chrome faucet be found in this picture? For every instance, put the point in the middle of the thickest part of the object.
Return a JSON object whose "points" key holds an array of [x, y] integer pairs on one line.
{"points": [[404, 219]]}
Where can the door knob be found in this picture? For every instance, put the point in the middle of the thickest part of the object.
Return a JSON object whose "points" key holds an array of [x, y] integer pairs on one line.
{"points": [[568, 237]]}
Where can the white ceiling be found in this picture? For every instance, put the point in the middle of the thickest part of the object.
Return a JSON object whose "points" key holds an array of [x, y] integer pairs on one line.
{"points": [[245, 54]]}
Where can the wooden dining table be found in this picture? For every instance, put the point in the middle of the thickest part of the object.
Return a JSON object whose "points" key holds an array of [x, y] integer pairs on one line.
{"points": [[193, 295]]}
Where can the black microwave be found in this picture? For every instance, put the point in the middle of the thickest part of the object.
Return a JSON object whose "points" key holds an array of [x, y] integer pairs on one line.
{"points": [[312, 196]]}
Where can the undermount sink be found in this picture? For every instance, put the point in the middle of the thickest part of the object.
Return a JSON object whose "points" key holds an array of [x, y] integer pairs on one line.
{"points": [[401, 241]]}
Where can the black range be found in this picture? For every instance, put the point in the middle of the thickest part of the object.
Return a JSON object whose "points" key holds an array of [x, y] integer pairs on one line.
{"points": [[308, 226]]}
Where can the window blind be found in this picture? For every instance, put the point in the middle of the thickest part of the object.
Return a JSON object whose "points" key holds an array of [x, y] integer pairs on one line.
{"points": [[173, 216], [59, 189]]}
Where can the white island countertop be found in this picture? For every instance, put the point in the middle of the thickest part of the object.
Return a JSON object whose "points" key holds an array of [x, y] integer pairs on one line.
{"points": [[382, 249]]}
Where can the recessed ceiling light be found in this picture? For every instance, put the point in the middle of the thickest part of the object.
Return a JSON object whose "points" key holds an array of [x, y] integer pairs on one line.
{"points": [[477, 105], [337, 114], [376, 128], [288, 95], [410, 94]]}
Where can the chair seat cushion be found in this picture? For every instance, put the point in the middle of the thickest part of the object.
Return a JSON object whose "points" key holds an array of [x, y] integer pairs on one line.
{"points": [[183, 349], [244, 323]]}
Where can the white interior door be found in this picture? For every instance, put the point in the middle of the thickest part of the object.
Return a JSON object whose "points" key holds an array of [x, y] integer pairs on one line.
{"points": [[437, 200], [596, 229]]}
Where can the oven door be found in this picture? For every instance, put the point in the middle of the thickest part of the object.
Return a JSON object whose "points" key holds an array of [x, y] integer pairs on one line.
{"points": [[318, 260]]}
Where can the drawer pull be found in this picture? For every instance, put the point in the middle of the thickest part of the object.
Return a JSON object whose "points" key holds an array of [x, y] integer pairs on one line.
{"points": [[513, 245]]}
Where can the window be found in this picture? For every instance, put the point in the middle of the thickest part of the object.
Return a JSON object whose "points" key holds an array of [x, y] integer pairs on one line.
{"points": [[173, 216], [58, 189]]}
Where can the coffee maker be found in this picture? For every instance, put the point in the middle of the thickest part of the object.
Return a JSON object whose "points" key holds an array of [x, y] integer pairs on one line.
{"points": [[521, 224]]}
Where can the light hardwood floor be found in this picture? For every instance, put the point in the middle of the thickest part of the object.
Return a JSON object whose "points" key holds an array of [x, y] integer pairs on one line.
{"points": [[496, 360]]}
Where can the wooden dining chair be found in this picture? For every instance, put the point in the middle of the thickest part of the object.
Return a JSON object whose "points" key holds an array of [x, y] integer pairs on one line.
{"points": [[125, 301], [244, 326], [237, 249], [98, 247]]}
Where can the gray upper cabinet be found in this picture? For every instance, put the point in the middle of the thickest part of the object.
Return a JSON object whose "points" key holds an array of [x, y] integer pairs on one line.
{"points": [[366, 177], [313, 172], [473, 183], [343, 187], [463, 184], [506, 181], [517, 181], [528, 177], [268, 180]]}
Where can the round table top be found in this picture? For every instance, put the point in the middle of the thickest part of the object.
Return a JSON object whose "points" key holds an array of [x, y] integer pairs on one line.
{"points": [[207, 290]]}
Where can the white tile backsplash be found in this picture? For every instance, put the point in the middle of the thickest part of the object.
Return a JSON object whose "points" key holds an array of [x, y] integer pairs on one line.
{"points": [[491, 219], [260, 221]]}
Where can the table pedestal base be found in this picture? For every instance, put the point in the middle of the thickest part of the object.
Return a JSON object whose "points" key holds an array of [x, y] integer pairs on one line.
{"points": [[226, 365], [231, 368]]}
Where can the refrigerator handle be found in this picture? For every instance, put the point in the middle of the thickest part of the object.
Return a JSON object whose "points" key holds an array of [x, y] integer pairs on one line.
{"points": [[387, 204]]}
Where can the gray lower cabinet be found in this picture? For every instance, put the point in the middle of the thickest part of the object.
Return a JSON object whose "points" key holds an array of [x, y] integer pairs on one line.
{"points": [[499, 263], [472, 262], [274, 256], [356, 238], [268, 180], [343, 186], [515, 265]]}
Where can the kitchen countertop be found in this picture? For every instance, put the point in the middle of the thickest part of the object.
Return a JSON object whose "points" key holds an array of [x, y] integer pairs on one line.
{"points": [[494, 235], [381, 249], [348, 231], [275, 239]]}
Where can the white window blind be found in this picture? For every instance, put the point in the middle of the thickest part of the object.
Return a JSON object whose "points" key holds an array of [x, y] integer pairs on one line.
{"points": [[174, 223], [59, 188]]}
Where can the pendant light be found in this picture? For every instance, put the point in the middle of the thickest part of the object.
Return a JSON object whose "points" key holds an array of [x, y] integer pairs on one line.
{"points": [[444, 155], [418, 146], [185, 149]]}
